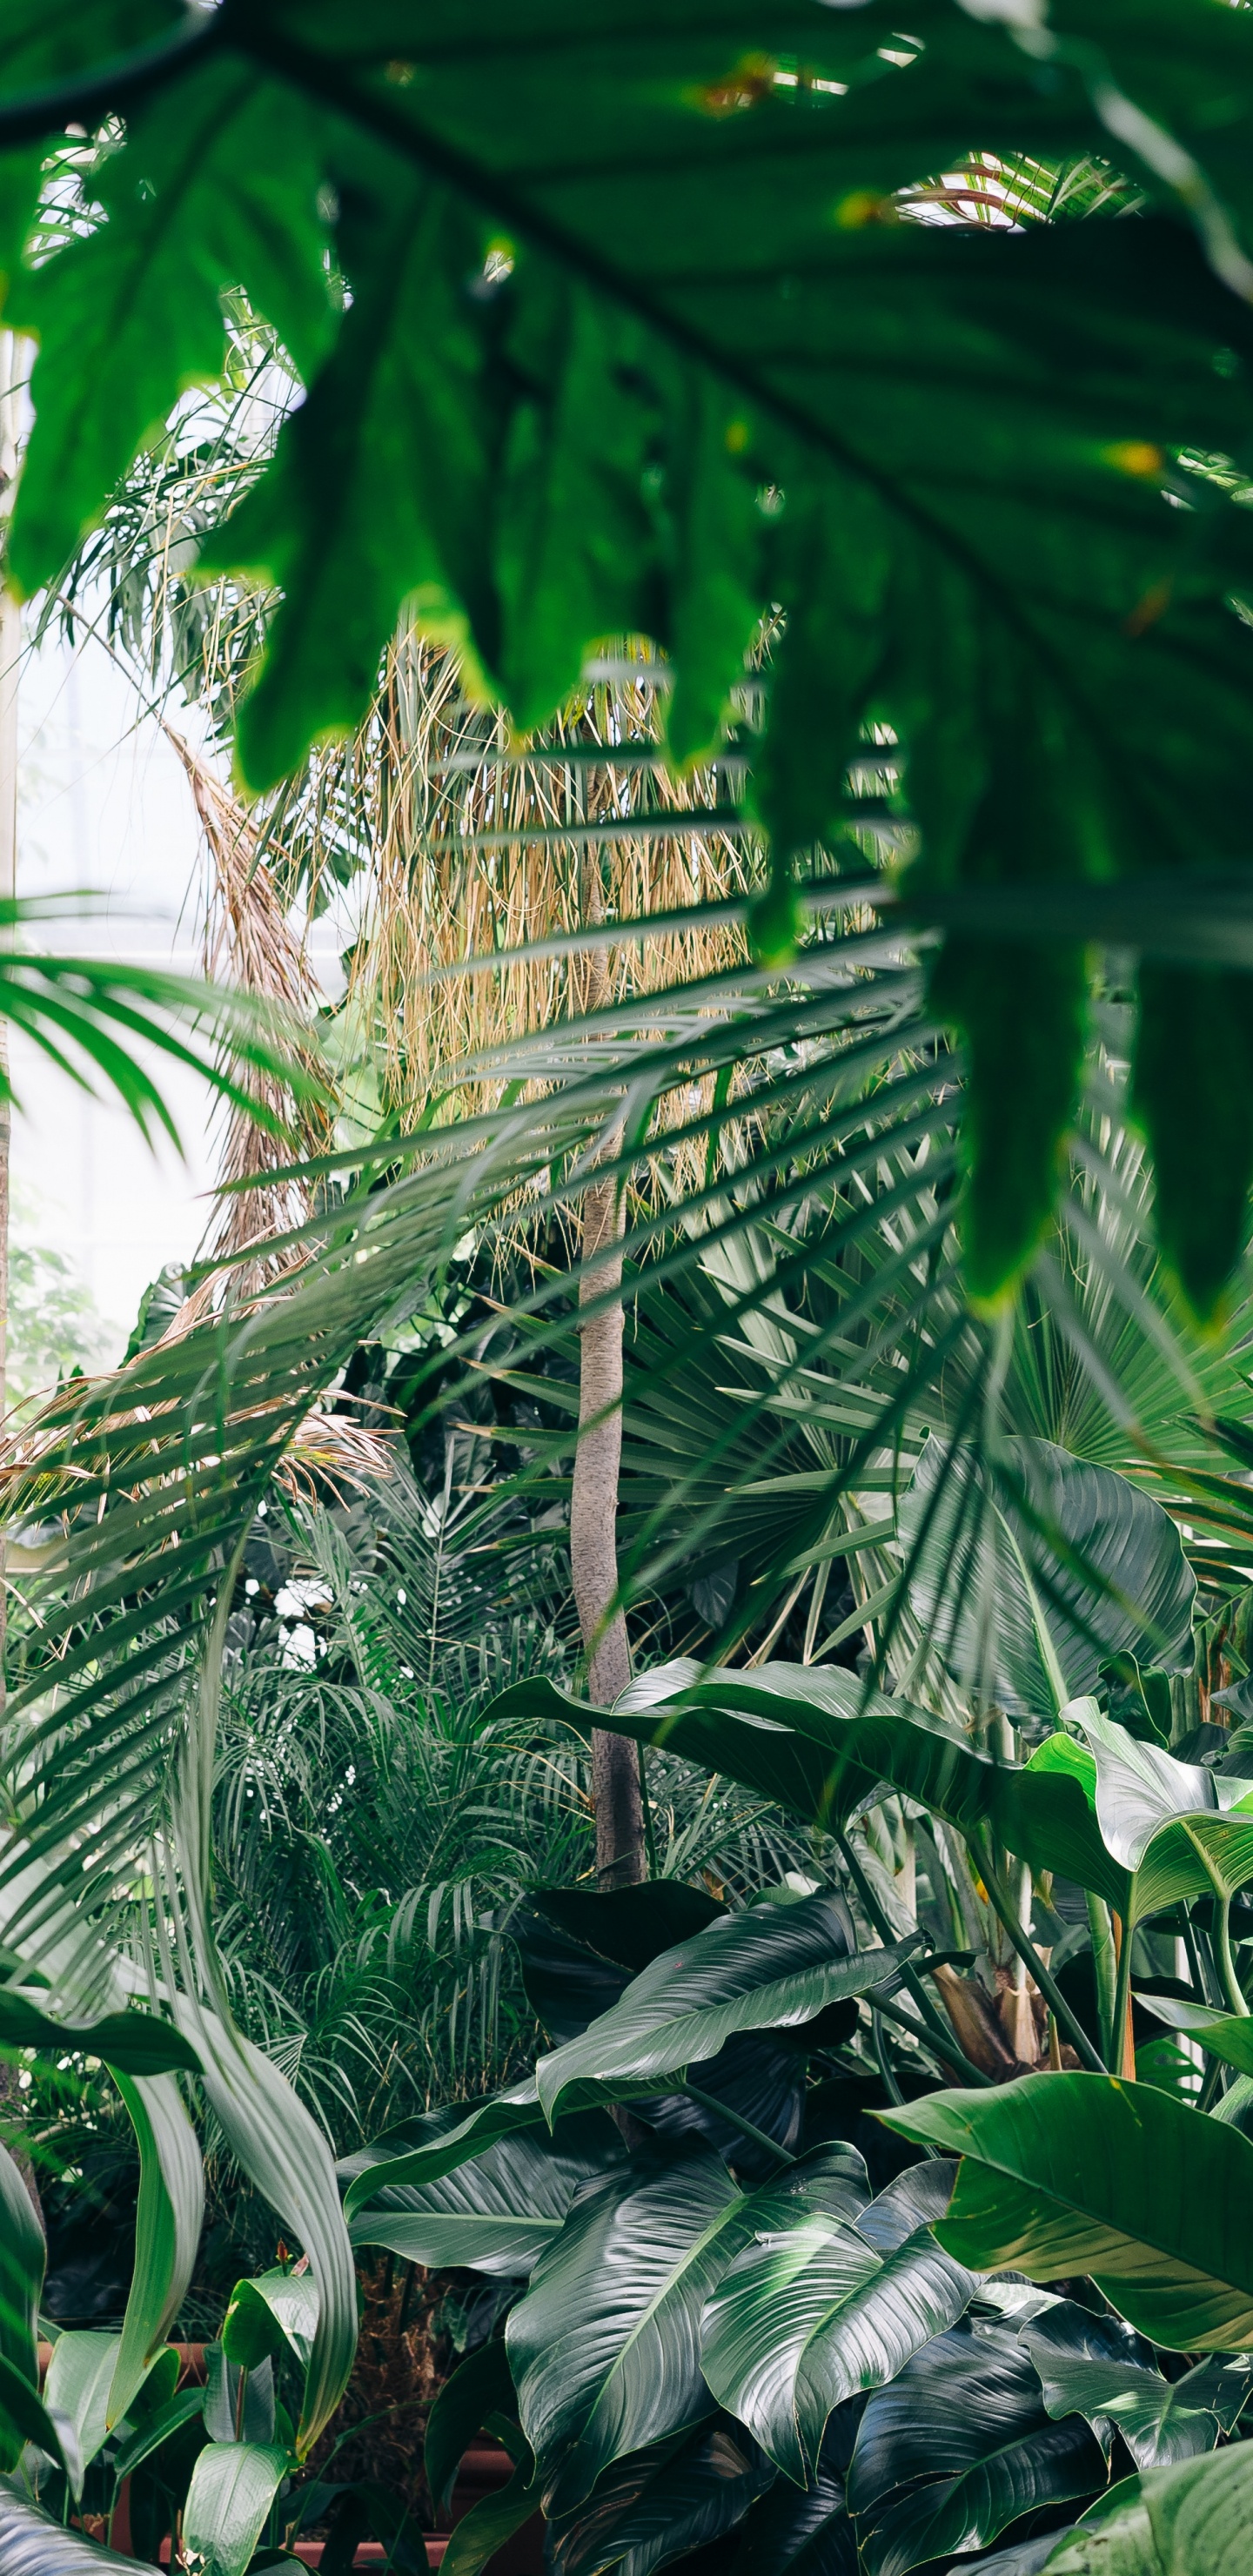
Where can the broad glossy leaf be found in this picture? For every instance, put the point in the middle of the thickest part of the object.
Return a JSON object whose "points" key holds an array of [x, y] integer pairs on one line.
{"points": [[158, 2428], [819, 1744], [663, 2503], [238, 2404], [491, 2522], [286, 2155], [1225, 2035], [1080, 2173], [1066, 1562], [26, 2419], [80, 2374], [169, 2218], [477, 2388], [427, 2148], [805, 2531], [1192, 2520], [957, 2448], [136, 2043], [233, 2486], [1096, 2367], [763, 1968], [605, 2347], [1169, 1822], [32, 2544], [23, 2254], [499, 2212], [218, 187], [821, 2305], [277, 2313]]}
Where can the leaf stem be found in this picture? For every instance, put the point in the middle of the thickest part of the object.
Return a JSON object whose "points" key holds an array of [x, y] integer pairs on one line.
{"points": [[937, 2029], [736, 2120], [1121, 2051], [1027, 1951], [946, 2049], [1226, 1965]]}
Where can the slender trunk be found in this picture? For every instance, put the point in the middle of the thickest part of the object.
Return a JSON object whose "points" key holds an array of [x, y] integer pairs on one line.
{"points": [[594, 1495]]}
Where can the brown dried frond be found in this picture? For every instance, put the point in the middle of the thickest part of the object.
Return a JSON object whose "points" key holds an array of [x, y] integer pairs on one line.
{"points": [[250, 944], [478, 845]]}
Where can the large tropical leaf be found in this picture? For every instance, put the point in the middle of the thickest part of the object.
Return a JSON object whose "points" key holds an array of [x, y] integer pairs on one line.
{"points": [[819, 2306], [23, 2254], [806, 2531], [1078, 2173], [818, 1742], [1095, 2366], [1168, 1822], [765, 1968], [1057, 1568], [33, 2544], [1192, 2520], [233, 2486], [499, 2212], [605, 2347], [663, 2502], [973, 435], [168, 2221], [957, 2448]]}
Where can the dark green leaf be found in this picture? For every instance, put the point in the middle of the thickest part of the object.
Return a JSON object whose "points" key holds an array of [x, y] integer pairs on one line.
{"points": [[135, 2042], [662, 2503], [1192, 2520], [233, 2486], [1095, 2366], [477, 2388], [1080, 2173], [498, 2212]]}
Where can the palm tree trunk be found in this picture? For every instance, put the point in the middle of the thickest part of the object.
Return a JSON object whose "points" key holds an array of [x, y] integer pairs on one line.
{"points": [[594, 1494]]}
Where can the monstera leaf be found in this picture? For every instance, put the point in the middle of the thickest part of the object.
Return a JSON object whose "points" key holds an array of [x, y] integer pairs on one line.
{"points": [[1078, 2173], [1049, 1565], [819, 2306]]}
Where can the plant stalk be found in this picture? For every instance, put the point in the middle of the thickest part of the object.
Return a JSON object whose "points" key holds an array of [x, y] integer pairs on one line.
{"points": [[945, 2045], [1122, 2056], [736, 2120], [1027, 1950], [1225, 1960], [939, 2043]]}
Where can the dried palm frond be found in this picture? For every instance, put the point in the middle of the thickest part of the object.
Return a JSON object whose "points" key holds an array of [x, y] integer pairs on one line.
{"points": [[250, 944]]}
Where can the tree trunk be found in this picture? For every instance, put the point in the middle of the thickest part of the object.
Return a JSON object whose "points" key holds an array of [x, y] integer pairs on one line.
{"points": [[594, 1496]]}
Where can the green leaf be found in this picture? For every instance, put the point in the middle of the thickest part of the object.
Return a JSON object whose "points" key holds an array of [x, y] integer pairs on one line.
{"points": [[480, 2386], [167, 2228], [1081, 2173], [1168, 1822], [498, 2213], [233, 2486], [490, 2523], [26, 2419], [1048, 1565], [444, 2140], [137, 2043], [1023, 1013], [663, 2503], [958, 2447], [286, 2155], [1226, 2035], [32, 2544], [80, 2376], [1192, 2520], [605, 2346], [217, 187], [820, 2306], [764, 1968], [1195, 1027], [273, 2315], [805, 2531], [238, 2404], [22, 2257], [1094, 2366], [156, 2429]]}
